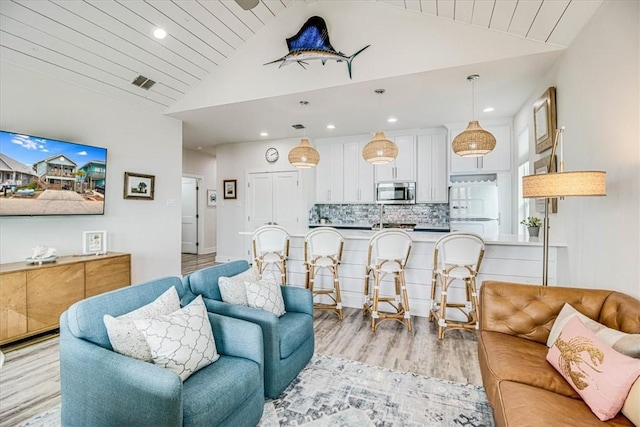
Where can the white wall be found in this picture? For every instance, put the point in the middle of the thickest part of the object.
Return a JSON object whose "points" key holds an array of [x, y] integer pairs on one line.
{"points": [[203, 165], [598, 100], [137, 141], [234, 161]]}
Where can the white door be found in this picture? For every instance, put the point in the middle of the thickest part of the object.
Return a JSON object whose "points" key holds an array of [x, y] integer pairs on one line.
{"points": [[189, 215], [271, 199]]}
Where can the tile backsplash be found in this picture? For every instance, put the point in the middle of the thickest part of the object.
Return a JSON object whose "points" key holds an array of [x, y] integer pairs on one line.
{"points": [[432, 214]]}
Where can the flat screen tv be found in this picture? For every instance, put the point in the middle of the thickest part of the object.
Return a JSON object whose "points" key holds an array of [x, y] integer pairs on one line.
{"points": [[41, 176]]}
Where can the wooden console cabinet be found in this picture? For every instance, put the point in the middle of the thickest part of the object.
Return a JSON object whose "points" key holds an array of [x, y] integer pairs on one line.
{"points": [[32, 297]]}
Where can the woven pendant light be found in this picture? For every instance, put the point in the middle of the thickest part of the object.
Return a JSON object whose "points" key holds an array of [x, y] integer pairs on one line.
{"points": [[473, 141], [303, 155], [380, 150]]}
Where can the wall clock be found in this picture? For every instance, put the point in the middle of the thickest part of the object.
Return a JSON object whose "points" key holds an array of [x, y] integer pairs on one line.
{"points": [[272, 155]]}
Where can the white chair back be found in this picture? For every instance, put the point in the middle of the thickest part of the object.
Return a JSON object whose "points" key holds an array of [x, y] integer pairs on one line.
{"points": [[323, 242], [459, 249], [270, 239], [390, 244]]}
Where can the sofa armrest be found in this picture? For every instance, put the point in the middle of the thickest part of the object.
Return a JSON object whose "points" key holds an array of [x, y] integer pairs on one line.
{"points": [[238, 338], [90, 374], [528, 311], [296, 299]]}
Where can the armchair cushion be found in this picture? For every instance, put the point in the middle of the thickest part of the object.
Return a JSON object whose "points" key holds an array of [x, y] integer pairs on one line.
{"points": [[181, 341], [233, 289], [294, 331], [125, 338], [265, 295]]}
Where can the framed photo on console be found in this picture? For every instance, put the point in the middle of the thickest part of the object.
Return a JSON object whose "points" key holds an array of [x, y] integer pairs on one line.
{"points": [[544, 120], [94, 242]]}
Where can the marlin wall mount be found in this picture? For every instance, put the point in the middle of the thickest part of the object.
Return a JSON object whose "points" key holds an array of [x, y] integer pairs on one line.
{"points": [[312, 42]]}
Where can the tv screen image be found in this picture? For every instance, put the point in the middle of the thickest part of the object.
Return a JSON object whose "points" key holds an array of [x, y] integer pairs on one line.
{"points": [[41, 176]]}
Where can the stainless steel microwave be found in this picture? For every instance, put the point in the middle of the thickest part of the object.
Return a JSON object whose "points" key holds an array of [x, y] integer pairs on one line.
{"points": [[396, 193]]}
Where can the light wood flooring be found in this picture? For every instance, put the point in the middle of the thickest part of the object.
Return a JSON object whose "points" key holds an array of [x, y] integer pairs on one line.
{"points": [[30, 377]]}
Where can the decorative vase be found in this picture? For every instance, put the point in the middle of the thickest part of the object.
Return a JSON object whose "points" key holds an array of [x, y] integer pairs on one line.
{"points": [[533, 231]]}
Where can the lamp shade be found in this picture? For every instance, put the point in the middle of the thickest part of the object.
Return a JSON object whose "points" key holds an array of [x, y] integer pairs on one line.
{"points": [[303, 155], [563, 184], [380, 150], [473, 141]]}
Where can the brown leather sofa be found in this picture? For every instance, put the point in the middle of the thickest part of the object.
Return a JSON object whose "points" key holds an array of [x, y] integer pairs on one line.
{"points": [[515, 321]]}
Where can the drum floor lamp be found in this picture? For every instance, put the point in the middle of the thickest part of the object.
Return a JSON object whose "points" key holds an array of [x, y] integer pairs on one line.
{"points": [[560, 184]]}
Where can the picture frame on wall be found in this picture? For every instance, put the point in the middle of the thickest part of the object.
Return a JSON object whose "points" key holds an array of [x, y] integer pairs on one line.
{"points": [[94, 242], [139, 186], [230, 188], [541, 167], [212, 197], [544, 120]]}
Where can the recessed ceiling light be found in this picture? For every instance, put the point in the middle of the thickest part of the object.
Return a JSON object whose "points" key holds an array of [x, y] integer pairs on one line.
{"points": [[159, 33], [488, 109], [392, 120], [264, 134], [330, 126]]}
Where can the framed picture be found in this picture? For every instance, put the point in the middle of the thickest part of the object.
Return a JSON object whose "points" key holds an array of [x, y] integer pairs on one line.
{"points": [[229, 186], [212, 197], [139, 186], [94, 242], [542, 166], [544, 120]]}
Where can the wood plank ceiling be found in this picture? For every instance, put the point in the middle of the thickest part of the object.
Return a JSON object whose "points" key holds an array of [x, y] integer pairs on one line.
{"points": [[104, 45]]}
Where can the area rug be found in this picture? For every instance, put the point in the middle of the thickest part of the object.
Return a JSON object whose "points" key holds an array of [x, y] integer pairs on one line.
{"points": [[332, 392]]}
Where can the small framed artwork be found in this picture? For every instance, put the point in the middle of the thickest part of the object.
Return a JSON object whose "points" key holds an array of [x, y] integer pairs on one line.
{"points": [[139, 186], [540, 167], [212, 197], [94, 242], [544, 120], [229, 186]]}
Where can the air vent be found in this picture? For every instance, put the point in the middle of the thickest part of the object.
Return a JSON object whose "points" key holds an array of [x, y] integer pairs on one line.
{"points": [[298, 126], [143, 82]]}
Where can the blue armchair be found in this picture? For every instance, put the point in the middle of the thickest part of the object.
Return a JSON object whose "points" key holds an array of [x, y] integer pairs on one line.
{"points": [[288, 340], [103, 388]]}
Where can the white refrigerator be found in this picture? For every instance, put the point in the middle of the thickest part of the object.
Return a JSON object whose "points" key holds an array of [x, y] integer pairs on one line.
{"points": [[474, 207]]}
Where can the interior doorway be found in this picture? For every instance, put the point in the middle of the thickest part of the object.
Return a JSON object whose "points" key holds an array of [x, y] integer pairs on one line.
{"points": [[190, 214]]}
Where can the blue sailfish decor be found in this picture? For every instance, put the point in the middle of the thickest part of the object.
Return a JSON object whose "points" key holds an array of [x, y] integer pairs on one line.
{"points": [[312, 42]]}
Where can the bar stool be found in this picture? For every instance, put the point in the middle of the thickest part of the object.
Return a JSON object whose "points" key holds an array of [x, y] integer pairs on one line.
{"points": [[323, 250], [456, 256], [271, 247], [388, 254]]}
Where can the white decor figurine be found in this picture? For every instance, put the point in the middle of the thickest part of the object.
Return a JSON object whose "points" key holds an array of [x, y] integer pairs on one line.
{"points": [[43, 253]]}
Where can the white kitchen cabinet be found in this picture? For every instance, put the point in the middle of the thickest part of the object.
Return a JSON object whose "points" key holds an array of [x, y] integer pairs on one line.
{"points": [[432, 182], [358, 174], [403, 168], [329, 174], [497, 160]]}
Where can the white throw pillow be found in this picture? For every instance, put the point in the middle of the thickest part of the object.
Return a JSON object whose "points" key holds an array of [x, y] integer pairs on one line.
{"points": [[627, 344], [123, 334], [181, 341], [232, 288], [265, 295]]}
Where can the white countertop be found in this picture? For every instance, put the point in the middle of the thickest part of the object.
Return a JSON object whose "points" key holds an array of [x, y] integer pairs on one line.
{"points": [[432, 237]]}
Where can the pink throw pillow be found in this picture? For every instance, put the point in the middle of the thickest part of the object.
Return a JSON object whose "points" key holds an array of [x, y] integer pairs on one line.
{"points": [[599, 374]]}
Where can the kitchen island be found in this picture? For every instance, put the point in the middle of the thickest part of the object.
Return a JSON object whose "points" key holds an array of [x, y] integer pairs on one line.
{"points": [[507, 258]]}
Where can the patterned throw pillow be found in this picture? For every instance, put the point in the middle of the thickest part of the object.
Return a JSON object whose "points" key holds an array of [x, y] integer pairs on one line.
{"points": [[266, 295], [232, 288], [599, 374], [621, 342], [123, 335], [181, 341]]}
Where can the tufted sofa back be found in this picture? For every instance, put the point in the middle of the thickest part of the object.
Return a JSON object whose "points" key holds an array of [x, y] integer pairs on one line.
{"points": [[528, 311]]}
